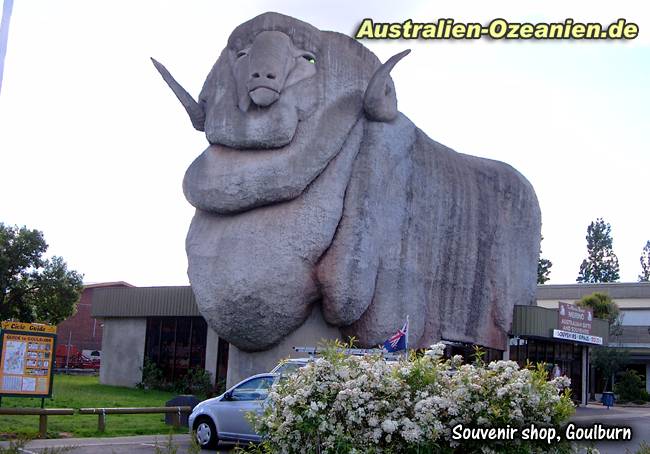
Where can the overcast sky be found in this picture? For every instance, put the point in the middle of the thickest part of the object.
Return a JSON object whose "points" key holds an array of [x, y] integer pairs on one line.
{"points": [[93, 145]]}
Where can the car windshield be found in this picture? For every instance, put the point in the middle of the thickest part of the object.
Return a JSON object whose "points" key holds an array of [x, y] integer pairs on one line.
{"points": [[287, 368]]}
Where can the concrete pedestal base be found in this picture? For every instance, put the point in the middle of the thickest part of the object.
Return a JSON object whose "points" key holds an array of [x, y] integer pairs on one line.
{"points": [[242, 364]]}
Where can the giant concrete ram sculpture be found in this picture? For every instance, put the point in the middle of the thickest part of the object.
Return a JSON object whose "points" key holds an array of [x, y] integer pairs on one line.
{"points": [[316, 191]]}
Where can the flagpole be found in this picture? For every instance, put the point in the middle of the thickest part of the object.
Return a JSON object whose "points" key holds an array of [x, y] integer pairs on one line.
{"points": [[406, 350]]}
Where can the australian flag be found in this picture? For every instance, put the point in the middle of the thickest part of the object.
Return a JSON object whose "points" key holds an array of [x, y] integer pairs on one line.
{"points": [[399, 340]]}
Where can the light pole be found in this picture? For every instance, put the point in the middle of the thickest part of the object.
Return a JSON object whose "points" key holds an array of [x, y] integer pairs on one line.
{"points": [[4, 34]]}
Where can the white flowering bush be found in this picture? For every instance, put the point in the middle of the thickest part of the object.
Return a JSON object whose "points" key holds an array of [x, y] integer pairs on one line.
{"points": [[351, 404]]}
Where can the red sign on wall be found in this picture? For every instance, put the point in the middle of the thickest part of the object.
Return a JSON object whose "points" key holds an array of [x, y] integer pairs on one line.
{"points": [[575, 319]]}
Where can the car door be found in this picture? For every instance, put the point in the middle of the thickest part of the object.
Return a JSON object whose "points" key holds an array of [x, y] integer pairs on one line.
{"points": [[248, 396]]}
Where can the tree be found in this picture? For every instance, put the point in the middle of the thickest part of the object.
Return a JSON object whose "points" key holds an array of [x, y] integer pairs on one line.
{"points": [[645, 264], [606, 359], [609, 361], [602, 306], [601, 265], [543, 267], [34, 289]]}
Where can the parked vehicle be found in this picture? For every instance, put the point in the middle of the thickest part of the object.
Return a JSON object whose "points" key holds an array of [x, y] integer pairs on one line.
{"points": [[70, 357], [290, 365], [223, 418]]}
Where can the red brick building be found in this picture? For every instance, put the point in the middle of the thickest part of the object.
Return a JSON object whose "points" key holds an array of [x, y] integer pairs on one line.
{"points": [[82, 331]]}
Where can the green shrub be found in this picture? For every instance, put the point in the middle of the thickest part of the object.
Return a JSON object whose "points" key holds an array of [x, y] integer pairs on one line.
{"points": [[220, 386], [152, 376], [644, 448], [645, 395], [629, 386], [15, 447], [197, 381]]}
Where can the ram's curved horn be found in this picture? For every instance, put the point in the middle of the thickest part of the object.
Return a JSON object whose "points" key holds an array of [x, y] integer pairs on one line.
{"points": [[380, 100], [193, 108]]}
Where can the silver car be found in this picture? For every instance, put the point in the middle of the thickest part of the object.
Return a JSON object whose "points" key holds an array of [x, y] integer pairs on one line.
{"points": [[223, 418], [288, 366]]}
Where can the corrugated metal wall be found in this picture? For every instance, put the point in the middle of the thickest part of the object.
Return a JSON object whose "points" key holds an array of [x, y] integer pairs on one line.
{"points": [[144, 302], [533, 321]]}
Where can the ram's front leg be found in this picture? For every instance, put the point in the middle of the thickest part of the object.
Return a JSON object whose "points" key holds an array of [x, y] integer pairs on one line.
{"points": [[371, 276], [348, 273]]}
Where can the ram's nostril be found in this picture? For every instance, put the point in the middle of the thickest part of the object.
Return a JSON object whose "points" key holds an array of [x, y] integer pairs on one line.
{"points": [[270, 76], [255, 75]]}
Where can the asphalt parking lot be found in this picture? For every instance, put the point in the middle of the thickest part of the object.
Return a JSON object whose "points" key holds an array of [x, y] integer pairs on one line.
{"points": [[144, 444], [638, 419]]}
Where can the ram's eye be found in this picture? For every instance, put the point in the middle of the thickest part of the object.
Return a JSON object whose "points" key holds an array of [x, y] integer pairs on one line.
{"points": [[310, 58], [241, 53]]}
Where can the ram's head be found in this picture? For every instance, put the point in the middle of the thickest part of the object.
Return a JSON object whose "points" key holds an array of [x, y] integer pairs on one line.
{"points": [[270, 106]]}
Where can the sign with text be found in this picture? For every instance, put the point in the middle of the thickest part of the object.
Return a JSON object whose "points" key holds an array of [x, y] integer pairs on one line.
{"points": [[31, 327], [586, 338], [26, 357], [575, 319]]}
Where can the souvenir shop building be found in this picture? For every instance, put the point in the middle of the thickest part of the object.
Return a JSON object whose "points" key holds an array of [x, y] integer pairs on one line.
{"points": [[633, 300], [163, 325], [560, 338]]}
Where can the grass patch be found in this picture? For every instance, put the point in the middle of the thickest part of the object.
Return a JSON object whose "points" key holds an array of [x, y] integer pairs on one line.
{"points": [[82, 391]]}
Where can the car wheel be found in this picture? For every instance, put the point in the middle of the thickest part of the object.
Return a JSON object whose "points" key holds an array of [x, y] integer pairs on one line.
{"points": [[205, 433]]}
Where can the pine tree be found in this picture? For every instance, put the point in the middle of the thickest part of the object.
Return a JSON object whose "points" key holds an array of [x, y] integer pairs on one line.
{"points": [[645, 264], [543, 268], [601, 264]]}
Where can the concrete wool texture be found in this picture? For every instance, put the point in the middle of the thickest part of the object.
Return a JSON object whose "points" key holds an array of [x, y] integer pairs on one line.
{"points": [[327, 196]]}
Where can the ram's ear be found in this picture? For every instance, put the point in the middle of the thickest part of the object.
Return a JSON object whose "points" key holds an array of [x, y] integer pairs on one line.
{"points": [[193, 108], [380, 100]]}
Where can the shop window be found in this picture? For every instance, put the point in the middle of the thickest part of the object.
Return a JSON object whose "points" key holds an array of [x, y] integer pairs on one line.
{"points": [[198, 343], [167, 342], [549, 354], [152, 350], [467, 351], [222, 362], [182, 350], [567, 356], [176, 344]]}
